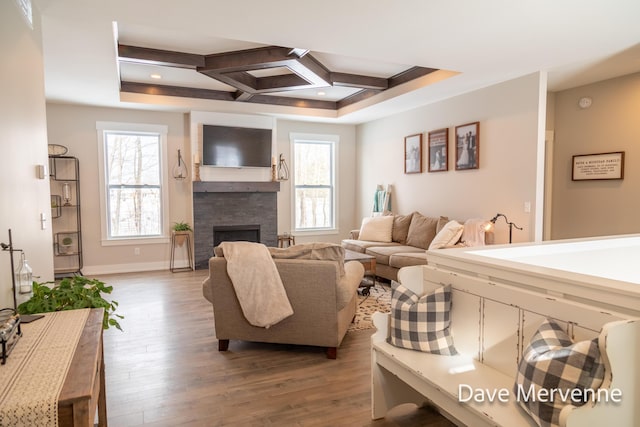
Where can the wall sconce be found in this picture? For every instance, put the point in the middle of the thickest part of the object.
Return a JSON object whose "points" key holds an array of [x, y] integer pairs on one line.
{"points": [[180, 170], [283, 169], [510, 224]]}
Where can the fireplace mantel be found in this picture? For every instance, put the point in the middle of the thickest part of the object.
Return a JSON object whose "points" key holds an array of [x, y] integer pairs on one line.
{"points": [[236, 186]]}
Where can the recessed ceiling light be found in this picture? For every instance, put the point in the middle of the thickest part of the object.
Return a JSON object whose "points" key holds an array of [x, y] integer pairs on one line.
{"points": [[155, 76], [321, 93]]}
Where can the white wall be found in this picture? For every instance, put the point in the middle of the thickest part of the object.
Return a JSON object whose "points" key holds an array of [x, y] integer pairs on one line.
{"points": [[509, 116], [597, 208], [74, 126], [24, 145]]}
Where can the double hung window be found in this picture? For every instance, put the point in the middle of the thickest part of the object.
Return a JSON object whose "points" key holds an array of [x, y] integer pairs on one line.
{"points": [[314, 182]]}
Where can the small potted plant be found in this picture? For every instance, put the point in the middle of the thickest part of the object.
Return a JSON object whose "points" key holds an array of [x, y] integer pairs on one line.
{"points": [[65, 245], [180, 230]]}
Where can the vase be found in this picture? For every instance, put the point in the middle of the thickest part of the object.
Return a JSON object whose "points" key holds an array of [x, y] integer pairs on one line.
{"points": [[24, 281]]}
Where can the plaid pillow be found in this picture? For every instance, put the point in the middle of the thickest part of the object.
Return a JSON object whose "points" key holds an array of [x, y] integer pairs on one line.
{"points": [[421, 323], [552, 361]]}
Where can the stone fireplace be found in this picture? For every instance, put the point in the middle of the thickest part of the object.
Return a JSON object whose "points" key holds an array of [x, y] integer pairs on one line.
{"points": [[237, 211]]}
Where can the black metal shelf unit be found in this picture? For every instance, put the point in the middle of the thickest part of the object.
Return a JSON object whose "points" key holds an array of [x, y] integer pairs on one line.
{"points": [[64, 174]]}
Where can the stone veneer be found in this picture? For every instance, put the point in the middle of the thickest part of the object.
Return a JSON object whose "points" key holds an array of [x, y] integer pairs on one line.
{"points": [[232, 203]]}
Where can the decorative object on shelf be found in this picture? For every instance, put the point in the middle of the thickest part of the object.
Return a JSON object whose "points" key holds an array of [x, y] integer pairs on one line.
{"points": [[438, 150], [274, 171], [66, 194], [180, 171], [196, 167], [413, 153], [283, 169], [468, 146], [57, 150], [24, 280], [510, 224], [69, 293], [600, 166], [65, 245]]}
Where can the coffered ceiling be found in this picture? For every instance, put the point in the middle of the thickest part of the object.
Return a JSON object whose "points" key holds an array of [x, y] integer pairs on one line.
{"points": [[370, 58], [265, 75]]}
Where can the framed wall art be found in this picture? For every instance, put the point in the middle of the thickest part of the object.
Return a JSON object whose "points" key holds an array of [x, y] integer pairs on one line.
{"points": [[438, 150], [413, 153], [598, 166], [468, 146]]}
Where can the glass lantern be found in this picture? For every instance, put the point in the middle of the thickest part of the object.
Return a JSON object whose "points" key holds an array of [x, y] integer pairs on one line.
{"points": [[24, 281]]}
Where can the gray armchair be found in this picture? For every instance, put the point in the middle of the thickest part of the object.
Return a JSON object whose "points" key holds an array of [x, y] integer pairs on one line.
{"points": [[324, 304]]}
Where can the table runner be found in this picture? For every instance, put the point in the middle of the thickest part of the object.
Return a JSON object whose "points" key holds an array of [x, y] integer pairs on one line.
{"points": [[32, 378]]}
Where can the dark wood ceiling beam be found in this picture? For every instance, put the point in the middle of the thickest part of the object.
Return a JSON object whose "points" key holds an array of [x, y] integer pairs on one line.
{"points": [[409, 74], [242, 96], [310, 69], [184, 92], [286, 101], [249, 59], [357, 97], [240, 80], [282, 83], [358, 81], [143, 55]]}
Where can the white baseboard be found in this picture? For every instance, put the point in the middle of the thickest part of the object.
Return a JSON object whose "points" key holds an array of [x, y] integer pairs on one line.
{"points": [[92, 270]]}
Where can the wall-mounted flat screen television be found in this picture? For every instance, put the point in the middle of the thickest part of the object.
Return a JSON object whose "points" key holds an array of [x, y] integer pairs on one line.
{"points": [[227, 146]]}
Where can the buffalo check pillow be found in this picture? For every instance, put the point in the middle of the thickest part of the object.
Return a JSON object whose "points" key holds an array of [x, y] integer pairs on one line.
{"points": [[421, 322], [555, 372]]}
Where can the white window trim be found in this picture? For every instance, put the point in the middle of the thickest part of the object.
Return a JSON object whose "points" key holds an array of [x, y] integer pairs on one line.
{"points": [[133, 127], [335, 139]]}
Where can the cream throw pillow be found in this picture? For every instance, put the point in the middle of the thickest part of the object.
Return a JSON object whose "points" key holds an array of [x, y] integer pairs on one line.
{"points": [[376, 229], [448, 236]]}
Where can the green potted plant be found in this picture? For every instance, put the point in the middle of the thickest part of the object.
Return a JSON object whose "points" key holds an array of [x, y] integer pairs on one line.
{"points": [[72, 293], [180, 230], [65, 245]]}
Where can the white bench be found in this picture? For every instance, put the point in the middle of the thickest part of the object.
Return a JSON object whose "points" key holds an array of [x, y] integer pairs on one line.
{"points": [[491, 324]]}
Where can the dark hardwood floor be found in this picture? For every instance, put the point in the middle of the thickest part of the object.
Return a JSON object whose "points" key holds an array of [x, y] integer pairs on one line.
{"points": [[165, 368]]}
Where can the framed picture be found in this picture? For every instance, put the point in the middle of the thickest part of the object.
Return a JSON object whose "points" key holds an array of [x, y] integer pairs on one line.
{"points": [[413, 153], [468, 146], [598, 166], [438, 151]]}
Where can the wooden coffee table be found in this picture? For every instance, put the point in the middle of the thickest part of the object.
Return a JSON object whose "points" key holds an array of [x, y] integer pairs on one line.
{"points": [[369, 264]]}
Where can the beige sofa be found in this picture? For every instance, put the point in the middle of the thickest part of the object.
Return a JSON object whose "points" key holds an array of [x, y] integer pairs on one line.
{"points": [[322, 292], [411, 236]]}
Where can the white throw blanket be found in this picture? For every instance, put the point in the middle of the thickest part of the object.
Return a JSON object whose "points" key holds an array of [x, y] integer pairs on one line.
{"points": [[257, 283], [473, 233]]}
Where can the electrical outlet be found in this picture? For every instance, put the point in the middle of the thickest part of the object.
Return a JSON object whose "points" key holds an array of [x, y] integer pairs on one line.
{"points": [[136, 251], [527, 207]]}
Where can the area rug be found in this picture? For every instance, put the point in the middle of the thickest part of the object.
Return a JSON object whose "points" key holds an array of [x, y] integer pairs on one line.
{"points": [[378, 300]]}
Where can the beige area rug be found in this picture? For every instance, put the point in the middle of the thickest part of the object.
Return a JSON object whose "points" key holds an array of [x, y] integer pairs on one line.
{"points": [[378, 300]]}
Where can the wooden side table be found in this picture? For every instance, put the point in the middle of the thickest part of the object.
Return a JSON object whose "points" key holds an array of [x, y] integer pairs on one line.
{"points": [[287, 239]]}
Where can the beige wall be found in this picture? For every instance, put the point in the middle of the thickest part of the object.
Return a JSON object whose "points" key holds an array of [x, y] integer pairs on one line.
{"points": [[509, 116], [75, 127], [597, 208], [23, 197]]}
